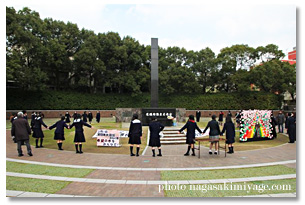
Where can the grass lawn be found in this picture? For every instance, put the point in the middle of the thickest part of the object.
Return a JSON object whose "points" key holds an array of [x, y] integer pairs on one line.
{"points": [[235, 189], [46, 170], [227, 173], [34, 185]]}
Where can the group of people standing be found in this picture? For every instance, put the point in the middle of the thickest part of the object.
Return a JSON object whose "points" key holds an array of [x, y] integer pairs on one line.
{"points": [[155, 127], [85, 117], [21, 130]]}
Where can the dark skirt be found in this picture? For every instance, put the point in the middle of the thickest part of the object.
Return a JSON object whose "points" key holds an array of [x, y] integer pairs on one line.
{"points": [[134, 140], [68, 120], [154, 142], [230, 140], [58, 136], [79, 137], [37, 133], [190, 140]]}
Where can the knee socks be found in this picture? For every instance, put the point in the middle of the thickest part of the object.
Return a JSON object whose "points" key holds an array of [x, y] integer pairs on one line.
{"points": [[153, 151], [138, 149]]}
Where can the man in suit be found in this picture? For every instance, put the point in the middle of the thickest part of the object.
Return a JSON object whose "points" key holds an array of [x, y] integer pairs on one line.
{"points": [[21, 131]]}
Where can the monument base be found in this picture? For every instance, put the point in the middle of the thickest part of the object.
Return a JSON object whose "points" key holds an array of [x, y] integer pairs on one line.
{"points": [[162, 115]]}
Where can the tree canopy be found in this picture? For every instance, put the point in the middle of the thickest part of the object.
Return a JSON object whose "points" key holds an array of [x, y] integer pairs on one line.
{"points": [[51, 54]]}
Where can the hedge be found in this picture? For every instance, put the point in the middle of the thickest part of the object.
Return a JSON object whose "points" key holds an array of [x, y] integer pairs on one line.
{"points": [[63, 100]]}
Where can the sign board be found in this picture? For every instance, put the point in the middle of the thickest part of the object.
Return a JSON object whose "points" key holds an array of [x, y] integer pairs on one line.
{"points": [[162, 115], [107, 138]]}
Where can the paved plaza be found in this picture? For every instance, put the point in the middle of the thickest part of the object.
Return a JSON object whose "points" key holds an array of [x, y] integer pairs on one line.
{"points": [[125, 176]]}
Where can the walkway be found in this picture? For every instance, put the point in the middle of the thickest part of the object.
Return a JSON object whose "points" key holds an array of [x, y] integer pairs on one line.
{"points": [[138, 175]]}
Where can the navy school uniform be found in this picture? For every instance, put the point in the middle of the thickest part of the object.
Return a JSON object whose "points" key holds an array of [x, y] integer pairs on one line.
{"points": [[98, 117], [37, 131], [79, 131], [190, 127], [59, 132], [135, 132], [85, 117], [90, 117], [155, 128], [229, 128], [67, 118]]}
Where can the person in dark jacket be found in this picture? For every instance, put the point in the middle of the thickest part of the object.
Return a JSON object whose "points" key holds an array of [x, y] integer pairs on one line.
{"points": [[155, 128], [191, 126], [20, 132], [59, 132], [85, 116], [273, 124], [67, 117], [214, 133], [25, 114], [135, 134], [37, 131], [79, 137], [238, 118], [220, 118], [90, 117], [98, 117], [33, 115], [74, 115], [198, 115], [229, 129], [280, 121], [291, 128], [13, 117]]}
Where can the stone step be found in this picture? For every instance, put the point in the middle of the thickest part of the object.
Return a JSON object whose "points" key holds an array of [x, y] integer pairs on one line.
{"points": [[170, 132], [172, 138], [173, 135], [173, 142]]}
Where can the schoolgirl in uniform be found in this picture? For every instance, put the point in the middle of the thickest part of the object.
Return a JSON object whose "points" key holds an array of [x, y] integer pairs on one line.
{"points": [[135, 134], [37, 131], [79, 137], [67, 117], [59, 132], [155, 128], [191, 126]]}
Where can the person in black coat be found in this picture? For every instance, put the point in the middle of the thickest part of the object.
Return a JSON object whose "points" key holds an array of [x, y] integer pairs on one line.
{"points": [[155, 128], [291, 128], [220, 117], [67, 117], [98, 117], [33, 115], [74, 115], [85, 116], [37, 131], [191, 127], [14, 117], [273, 125], [214, 133], [79, 133], [229, 129], [135, 134], [20, 132], [198, 115], [90, 117], [59, 132]]}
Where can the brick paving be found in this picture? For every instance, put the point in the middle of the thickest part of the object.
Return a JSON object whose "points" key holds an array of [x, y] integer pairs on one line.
{"points": [[172, 158]]}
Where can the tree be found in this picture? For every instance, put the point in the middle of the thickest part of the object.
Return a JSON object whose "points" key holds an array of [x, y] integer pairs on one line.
{"points": [[268, 53], [231, 59], [203, 65], [275, 77]]}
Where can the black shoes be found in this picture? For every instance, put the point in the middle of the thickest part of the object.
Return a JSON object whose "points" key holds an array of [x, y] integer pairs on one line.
{"points": [[193, 154], [210, 152], [137, 155], [159, 155], [132, 154], [215, 153], [30, 154], [20, 155], [186, 154]]}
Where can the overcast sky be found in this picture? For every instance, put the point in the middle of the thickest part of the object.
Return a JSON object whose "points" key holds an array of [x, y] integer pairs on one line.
{"points": [[188, 25]]}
